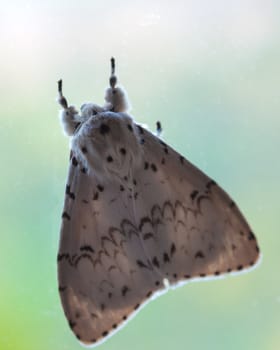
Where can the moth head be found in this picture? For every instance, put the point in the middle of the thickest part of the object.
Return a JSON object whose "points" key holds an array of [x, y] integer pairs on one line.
{"points": [[90, 109]]}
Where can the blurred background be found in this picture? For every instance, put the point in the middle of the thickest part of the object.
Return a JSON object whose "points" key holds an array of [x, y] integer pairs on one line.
{"points": [[209, 70]]}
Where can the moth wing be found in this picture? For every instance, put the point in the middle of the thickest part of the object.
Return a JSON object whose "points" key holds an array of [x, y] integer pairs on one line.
{"points": [[122, 237], [189, 225], [103, 270]]}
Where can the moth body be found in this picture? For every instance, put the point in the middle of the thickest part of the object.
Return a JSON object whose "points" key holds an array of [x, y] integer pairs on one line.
{"points": [[138, 217]]}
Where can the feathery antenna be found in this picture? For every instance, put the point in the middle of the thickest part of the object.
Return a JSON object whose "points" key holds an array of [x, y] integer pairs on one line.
{"points": [[61, 99], [113, 78]]}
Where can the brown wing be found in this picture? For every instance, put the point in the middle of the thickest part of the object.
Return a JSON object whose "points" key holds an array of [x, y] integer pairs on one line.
{"points": [[190, 227]]}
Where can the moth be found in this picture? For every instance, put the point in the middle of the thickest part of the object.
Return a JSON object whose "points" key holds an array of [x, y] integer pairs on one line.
{"points": [[138, 218]]}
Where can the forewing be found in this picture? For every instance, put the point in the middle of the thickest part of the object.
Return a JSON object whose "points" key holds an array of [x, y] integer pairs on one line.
{"points": [[104, 273], [190, 227]]}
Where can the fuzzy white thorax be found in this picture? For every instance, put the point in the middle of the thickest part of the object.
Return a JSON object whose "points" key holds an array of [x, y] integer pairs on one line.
{"points": [[115, 100]]}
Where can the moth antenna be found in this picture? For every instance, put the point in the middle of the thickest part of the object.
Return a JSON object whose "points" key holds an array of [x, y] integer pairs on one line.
{"points": [[113, 78], [115, 96], [113, 65], [61, 99], [159, 128]]}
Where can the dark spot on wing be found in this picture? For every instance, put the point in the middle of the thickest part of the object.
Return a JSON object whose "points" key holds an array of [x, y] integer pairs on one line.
{"points": [[153, 167], [65, 216], [166, 150], [121, 188], [148, 235], [74, 161], [100, 188], [104, 129], [162, 161], [172, 249], [165, 257], [84, 149], [62, 289], [210, 184], [123, 151], [194, 194], [141, 264], [125, 289], [155, 261], [104, 334], [199, 254], [231, 204], [69, 193], [149, 294], [95, 197], [146, 165], [62, 256], [140, 129], [129, 127], [182, 159], [251, 236], [109, 159], [136, 306], [72, 324], [87, 248]]}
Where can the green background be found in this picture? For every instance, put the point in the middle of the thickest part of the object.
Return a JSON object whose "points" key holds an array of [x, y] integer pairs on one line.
{"points": [[209, 70]]}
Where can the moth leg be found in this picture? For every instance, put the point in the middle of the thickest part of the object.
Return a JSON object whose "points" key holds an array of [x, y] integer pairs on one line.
{"points": [[159, 129], [69, 117]]}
